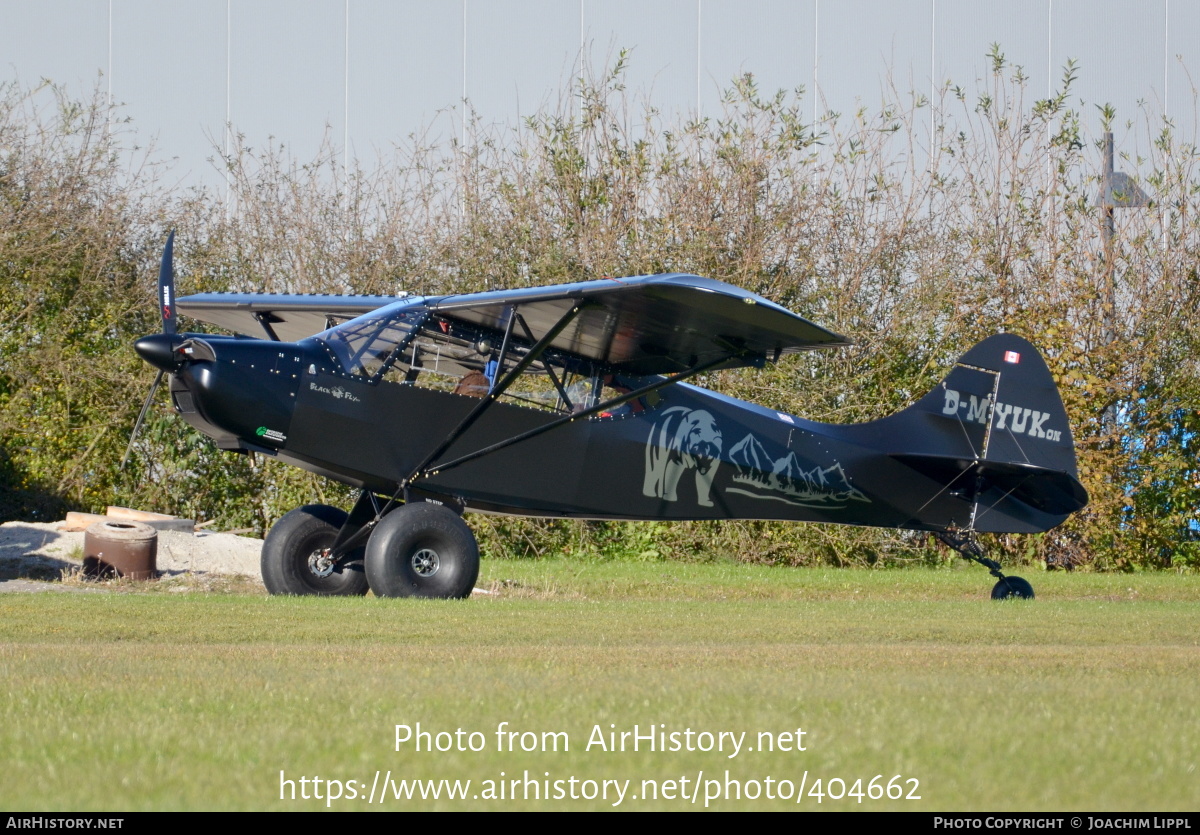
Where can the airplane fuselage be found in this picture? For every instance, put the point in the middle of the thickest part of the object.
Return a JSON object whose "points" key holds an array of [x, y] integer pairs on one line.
{"points": [[686, 453]]}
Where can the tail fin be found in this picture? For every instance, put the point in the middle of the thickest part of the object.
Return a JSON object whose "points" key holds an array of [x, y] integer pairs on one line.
{"points": [[994, 432]]}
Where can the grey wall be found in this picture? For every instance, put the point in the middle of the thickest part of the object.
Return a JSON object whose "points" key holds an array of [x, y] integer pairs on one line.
{"points": [[370, 73]]}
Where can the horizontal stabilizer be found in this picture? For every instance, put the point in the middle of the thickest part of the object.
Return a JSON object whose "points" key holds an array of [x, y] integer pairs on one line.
{"points": [[1049, 491], [992, 441]]}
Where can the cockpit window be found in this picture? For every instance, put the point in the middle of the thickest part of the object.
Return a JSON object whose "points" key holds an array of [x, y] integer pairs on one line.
{"points": [[413, 347], [362, 346], [459, 358]]}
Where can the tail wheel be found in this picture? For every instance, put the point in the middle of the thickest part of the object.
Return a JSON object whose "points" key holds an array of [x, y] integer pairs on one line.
{"points": [[296, 559], [1012, 588], [422, 550]]}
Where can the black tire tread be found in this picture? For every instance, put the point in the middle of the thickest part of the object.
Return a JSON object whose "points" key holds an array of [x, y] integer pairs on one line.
{"points": [[1012, 588], [409, 528], [285, 552]]}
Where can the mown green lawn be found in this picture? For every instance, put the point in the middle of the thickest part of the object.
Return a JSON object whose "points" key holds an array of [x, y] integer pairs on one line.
{"points": [[144, 698]]}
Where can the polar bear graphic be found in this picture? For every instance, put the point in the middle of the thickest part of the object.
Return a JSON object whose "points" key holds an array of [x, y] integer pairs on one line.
{"points": [[682, 439]]}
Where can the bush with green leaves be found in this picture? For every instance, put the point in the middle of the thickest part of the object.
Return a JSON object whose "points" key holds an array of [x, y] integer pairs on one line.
{"points": [[915, 230]]}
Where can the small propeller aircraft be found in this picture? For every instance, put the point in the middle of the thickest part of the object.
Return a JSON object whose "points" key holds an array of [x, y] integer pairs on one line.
{"points": [[570, 401]]}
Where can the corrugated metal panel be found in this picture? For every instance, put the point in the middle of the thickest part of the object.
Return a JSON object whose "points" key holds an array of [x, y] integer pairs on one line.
{"points": [[396, 64], [287, 72], [773, 39], [520, 55], [66, 42], [1182, 68], [888, 62], [406, 65], [866, 47], [965, 32], [662, 36], [1121, 54], [175, 85]]}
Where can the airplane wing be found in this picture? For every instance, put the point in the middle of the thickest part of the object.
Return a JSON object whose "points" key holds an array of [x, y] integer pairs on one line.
{"points": [[656, 324], [288, 317]]}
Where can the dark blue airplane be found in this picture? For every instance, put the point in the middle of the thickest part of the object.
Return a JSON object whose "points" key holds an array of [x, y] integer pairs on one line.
{"points": [[570, 401]]}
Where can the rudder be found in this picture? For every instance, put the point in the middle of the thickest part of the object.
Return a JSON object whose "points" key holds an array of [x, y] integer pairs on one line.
{"points": [[995, 430]]}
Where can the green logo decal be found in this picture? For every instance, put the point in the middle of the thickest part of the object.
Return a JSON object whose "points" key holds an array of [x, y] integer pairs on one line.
{"points": [[270, 434]]}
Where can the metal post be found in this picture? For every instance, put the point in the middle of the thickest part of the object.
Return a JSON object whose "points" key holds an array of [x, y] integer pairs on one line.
{"points": [[1116, 189], [1107, 230]]}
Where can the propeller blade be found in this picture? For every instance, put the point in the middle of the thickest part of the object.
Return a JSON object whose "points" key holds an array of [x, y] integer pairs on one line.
{"points": [[137, 427], [166, 285]]}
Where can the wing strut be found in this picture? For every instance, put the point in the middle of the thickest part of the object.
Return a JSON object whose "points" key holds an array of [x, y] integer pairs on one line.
{"points": [[550, 371], [497, 390], [586, 413], [424, 470], [265, 319]]}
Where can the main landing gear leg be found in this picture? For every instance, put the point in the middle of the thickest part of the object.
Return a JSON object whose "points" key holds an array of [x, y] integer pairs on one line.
{"points": [[1007, 588]]}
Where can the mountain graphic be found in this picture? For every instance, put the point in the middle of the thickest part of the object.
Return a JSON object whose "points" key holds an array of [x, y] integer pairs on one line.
{"points": [[785, 476], [751, 462]]}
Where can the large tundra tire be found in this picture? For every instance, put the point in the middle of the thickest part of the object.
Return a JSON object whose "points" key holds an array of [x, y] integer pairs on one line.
{"points": [[422, 550], [295, 559]]}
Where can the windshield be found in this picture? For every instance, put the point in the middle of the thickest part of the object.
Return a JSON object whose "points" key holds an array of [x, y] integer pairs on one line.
{"points": [[363, 345]]}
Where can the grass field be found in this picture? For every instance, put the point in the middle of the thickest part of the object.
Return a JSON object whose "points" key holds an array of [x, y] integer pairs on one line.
{"points": [[1084, 699]]}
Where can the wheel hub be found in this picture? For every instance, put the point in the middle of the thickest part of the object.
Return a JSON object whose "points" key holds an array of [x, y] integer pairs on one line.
{"points": [[320, 563], [426, 562]]}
